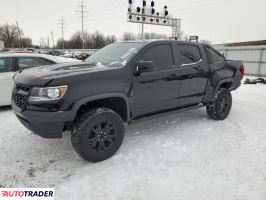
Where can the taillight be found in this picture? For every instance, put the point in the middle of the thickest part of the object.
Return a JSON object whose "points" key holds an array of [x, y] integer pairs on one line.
{"points": [[242, 71]]}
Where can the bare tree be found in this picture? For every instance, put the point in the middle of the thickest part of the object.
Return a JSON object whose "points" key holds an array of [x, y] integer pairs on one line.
{"points": [[95, 40], [183, 36], [128, 36], [110, 39], [89, 43], [25, 42], [10, 35], [153, 35], [75, 41], [98, 39]]}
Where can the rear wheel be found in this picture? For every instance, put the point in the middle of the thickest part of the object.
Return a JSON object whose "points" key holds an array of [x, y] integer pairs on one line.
{"points": [[98, 134], [220, 108]]}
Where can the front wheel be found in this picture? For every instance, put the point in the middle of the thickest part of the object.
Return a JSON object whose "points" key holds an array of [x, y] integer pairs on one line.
{"points": [[220, 108], [97, 134]]}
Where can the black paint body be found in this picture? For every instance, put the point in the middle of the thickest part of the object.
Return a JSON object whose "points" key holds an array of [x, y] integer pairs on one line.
{"points": [[142, 94]]}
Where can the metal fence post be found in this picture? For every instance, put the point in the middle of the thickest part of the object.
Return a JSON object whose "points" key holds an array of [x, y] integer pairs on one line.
{"points": [[260, 61], [225, 52]]}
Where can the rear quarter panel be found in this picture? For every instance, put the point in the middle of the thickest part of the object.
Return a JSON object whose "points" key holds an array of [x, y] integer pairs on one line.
{"points": [[223, 72]]}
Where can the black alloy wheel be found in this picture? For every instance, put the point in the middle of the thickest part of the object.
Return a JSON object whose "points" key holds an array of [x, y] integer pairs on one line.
{"points": [[97, 134], [102, 136], [220, 108]]}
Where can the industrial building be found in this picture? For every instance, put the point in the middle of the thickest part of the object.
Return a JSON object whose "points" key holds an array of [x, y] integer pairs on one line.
{"points": [[252, 53]]}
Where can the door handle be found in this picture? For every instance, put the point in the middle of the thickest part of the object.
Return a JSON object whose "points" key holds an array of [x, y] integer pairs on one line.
{"points": [[172, 77]]}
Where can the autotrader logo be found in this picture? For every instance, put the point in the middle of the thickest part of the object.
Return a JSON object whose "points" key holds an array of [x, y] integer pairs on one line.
{"points": [[27, 193]]}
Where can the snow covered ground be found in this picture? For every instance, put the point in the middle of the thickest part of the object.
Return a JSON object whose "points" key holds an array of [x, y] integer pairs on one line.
{"points": [[185, 156]]}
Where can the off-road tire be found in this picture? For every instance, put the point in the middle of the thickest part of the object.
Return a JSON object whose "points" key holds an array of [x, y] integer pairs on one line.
{"points": [[89, 136], [220, 108]]}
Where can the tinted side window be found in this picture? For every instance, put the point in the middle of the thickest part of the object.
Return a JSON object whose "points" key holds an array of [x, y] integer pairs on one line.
{"points": [[213, 56], [161, 55], [5, 65], [38, 62], [49, 62], [189, 54], [25, 62], [28, 62]]}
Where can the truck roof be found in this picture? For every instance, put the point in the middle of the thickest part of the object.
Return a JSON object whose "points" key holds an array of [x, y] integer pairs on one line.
{"points": [[159, 40]]}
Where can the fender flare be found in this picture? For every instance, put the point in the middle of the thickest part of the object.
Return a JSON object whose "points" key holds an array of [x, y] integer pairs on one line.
{"points": [[226, 80], [86, 100]]}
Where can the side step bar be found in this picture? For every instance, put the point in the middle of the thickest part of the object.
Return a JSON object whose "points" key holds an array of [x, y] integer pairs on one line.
{"points": [[162, 114]]}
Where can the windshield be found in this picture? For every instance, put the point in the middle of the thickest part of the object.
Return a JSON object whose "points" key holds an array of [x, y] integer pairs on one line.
{"points": [[114, 54]]}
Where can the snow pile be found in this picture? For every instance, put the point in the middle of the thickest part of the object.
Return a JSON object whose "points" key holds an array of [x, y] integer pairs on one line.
{"points": [[183, 156]]}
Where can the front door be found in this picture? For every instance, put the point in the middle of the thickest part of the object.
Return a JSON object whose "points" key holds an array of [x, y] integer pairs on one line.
{"points": [[157, 90]]}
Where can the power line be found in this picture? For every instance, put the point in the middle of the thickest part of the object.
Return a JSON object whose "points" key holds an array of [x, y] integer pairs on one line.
{"points": [[83, 12], [117, 18], [62, 24], [187, 5], [198, 5]]}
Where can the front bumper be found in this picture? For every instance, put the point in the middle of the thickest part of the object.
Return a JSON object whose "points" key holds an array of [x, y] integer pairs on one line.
{"points": [[44, 124]]}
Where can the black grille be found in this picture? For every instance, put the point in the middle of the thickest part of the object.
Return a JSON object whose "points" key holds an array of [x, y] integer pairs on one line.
{"points": [[22, 87], [20, 95], [20, 100]]}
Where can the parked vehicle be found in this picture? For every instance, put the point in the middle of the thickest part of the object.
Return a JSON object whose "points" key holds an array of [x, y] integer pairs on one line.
{"points": [[12, 62], [55, 52], [123, 83]]}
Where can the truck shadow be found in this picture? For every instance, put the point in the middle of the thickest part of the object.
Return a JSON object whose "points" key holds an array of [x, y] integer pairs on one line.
{"points": [[146, 127], [157, 126], [5, 108]]}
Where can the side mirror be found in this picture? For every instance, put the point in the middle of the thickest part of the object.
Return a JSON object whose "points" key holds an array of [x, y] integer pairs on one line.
{"points": [[145, 66]]}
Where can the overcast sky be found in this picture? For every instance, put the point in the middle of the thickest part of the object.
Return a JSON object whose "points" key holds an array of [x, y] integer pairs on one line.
{"points": [[215, 20]]}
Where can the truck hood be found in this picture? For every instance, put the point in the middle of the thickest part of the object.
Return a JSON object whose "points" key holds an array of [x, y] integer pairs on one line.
{"points": [[45, 74]]}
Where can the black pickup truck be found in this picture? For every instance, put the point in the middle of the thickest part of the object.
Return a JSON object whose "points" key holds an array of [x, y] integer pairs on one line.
{"points": [[123, 83]]}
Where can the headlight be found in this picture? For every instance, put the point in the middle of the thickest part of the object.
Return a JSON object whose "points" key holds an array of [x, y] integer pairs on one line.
{"points": [[47, 93]]}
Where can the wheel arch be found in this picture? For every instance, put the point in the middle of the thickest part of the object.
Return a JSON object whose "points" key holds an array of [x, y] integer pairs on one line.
{"points": [[117, 102], [224, 83]]}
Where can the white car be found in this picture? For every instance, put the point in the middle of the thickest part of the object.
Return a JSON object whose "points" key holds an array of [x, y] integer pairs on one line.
{"points": [[12, 62]]}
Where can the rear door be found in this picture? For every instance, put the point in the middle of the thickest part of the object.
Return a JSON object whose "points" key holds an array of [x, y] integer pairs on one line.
{"points": [[157, 90], [6, 81], [194, 71]]}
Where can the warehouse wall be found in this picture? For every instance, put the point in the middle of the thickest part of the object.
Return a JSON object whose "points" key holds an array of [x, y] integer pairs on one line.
{"points": [[254, 58]]}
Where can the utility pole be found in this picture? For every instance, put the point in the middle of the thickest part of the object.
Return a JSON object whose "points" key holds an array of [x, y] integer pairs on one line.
{"points": [[62, 24], [143, 12], [43, 43], [48, 42], [19, 35], [82, 10], [52, 34]]}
